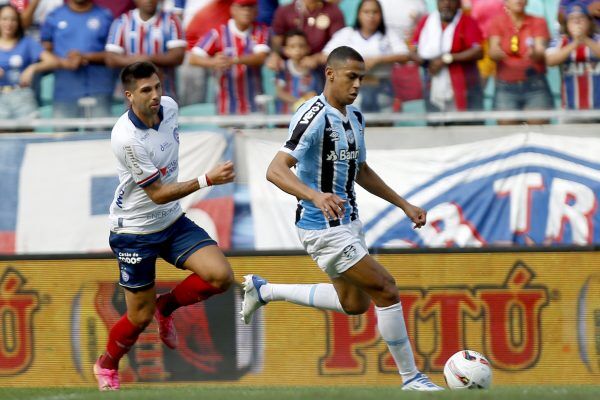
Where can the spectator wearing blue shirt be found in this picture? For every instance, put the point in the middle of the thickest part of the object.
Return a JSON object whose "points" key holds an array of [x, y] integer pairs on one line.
{"points": [[21, 57], [76, 32]]}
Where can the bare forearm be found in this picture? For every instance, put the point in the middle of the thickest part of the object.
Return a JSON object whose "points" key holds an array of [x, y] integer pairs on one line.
{"points": [[171, 58], [472, 54], [95, 58], [172, 191], [282, 177], [371, 182], [253, 60], [559, 56], [115, 60]]}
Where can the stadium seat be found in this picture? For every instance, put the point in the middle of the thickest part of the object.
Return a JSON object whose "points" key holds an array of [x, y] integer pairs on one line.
{"points": [[44, 112], [195, 110], [349, 9], [47, 88], [412, 107]]}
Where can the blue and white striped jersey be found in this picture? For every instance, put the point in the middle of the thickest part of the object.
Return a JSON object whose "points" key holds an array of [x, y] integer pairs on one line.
{"points": [[330, 148]]}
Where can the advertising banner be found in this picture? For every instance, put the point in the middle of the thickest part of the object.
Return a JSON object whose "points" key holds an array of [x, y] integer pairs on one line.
{"points": [[518, 190], [536, 316], [56, 191]]}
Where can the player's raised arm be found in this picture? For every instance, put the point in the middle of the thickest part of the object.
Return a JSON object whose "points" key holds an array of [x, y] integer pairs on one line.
{"points": [[280, 174], [371, 182], [161, 193]]}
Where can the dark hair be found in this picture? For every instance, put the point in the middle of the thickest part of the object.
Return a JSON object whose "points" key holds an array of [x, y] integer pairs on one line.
{"points": [[292, 33], [138, 70], [20, 30], [343, 54], [381, 27]]}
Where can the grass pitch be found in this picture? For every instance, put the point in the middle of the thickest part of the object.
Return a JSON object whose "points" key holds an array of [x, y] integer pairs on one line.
{"points": [[223, 392]]}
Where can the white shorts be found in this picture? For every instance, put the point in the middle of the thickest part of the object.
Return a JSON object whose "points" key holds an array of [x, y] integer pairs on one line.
{"points": [[335, 249]]}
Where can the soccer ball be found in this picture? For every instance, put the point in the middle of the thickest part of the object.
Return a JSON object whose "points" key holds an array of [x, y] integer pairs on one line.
{"points": [[468, 369]]}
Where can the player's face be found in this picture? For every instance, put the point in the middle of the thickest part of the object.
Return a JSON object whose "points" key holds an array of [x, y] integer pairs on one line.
{"points": [[346, 79], [296, 48], [8, 22], [448, 9], [145, 98]]}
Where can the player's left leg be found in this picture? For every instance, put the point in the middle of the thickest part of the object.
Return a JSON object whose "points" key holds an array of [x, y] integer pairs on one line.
{"points": [[379, 284], [194, 250]]}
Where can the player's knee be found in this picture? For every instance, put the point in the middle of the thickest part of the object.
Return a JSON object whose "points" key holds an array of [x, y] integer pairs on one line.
{"points": [[142, 317], [355, 309], [224, 279], [388, 294]]}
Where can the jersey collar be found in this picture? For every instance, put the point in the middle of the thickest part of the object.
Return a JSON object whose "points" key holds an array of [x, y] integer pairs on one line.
{"points": [[141, 125], [334, 110]]}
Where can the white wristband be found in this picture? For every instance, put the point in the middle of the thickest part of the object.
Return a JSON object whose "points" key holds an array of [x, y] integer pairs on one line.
{"points": [[202, 181]]}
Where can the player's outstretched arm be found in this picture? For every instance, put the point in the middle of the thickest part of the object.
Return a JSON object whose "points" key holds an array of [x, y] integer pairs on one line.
{"points": [[161, 193], [368, 179], [280, 174]]}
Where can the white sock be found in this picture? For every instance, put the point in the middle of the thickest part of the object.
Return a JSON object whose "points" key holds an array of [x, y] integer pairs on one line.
{"points": [[320, 295], [390, 322]]}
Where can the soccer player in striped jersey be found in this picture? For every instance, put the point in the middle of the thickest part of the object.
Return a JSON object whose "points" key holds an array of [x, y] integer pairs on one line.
{"points": [[326, 145], [578, 54], [147, 34], [235, 51], [147, 221]]}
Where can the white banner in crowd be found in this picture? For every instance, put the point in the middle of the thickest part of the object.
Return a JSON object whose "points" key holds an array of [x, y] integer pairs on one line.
{"points": [[63, 189], [523, 189]]}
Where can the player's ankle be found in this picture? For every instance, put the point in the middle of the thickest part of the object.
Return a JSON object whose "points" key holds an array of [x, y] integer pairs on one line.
{"points": [[107, 362]]}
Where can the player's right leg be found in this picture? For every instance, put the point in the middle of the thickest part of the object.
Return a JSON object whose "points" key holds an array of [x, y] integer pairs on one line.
{"points": [[335, 250], [137, 259], [123, 335]]}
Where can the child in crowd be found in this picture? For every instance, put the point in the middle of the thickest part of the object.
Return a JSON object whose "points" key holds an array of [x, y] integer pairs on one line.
{"points": [[578, 54], [295, 83]]}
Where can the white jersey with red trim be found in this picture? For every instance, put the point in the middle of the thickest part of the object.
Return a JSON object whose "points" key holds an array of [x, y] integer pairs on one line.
{"points": [[145, 154]]}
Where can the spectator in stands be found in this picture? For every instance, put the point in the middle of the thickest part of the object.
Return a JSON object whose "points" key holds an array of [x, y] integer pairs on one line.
{"points": [[578, 54], [147, 34], [405, 78], [593, 8], [448, 47], [34, 12], [21, 57], [295, 83], [76, 33], [379, 47], [518, 44], [318, 19], [484, 11], [235, 52]]}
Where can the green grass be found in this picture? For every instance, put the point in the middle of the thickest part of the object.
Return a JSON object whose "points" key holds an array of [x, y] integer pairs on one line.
{"points": [[223, 392]]}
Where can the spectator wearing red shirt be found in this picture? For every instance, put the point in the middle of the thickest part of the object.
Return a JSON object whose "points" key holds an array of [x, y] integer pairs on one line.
{"points": [[235, 51], [518, 44], [318, 19], [448, 46]]}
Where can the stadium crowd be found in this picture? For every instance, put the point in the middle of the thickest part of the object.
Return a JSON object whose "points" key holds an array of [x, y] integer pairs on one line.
{"points": [[238, 54]]}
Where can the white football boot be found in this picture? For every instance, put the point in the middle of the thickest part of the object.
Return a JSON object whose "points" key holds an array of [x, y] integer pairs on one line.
{"points": [[252, 298]]}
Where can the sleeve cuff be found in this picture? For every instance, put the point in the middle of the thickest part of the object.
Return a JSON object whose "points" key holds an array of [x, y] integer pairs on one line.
{"points": [[175, 44], [261, 48], [113, 48], [149, 180], [199, 52]]}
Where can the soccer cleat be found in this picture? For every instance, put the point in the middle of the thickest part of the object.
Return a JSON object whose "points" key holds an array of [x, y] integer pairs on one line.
{"points": [[166, 329], [108, 379], [421, 382], [252, 298]]}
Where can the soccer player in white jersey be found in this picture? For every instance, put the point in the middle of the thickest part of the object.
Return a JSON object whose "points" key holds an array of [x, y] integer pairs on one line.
{"points": [[326, 145], [147, 220]]}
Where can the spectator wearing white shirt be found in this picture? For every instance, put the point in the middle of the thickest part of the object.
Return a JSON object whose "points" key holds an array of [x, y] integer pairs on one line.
{"points": [[380, 48]]}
